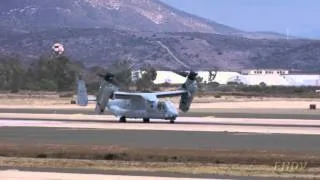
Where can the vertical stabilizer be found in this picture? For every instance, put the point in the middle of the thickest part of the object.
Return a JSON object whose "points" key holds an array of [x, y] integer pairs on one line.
{"points": [[82, 95]]}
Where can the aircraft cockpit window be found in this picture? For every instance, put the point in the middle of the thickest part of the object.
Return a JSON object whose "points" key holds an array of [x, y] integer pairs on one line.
{"points": [[161, 105], [151, 104]]}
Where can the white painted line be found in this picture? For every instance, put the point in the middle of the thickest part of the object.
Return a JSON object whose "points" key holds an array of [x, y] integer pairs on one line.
{"points": [[264, 121], [163, 127], [110, 118], [26, 175]]}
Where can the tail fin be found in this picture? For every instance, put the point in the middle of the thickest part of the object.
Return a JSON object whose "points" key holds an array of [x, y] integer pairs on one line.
{"points": [[191, 87], [82, 95]]}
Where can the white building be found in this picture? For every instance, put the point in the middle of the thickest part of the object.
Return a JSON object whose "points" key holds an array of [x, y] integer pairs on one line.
{"points": [[303, 79], [248, 77], [269, 80], [135, 75], [162, 77], [169, 77], [222, 77], [265, 71]]}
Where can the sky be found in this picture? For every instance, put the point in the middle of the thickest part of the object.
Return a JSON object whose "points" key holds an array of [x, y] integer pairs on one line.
{"points": [[295, 17]]}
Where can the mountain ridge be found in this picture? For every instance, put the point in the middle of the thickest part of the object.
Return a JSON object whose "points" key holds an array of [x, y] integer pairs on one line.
{"points": [[134, 15], [99, 32], [102, 47]]}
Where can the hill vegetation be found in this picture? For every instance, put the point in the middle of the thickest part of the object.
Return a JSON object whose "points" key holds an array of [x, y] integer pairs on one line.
{"points": [[198, 51], [49, 74], [59, 73]]}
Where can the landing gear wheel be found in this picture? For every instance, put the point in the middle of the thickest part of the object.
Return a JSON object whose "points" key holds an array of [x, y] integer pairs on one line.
{"points": [[98, 109], [172, 120], [146, 120], [123, 119]]}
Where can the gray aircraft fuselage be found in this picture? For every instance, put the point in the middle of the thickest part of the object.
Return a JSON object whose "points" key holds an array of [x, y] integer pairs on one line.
{"points": [[146, 109]]}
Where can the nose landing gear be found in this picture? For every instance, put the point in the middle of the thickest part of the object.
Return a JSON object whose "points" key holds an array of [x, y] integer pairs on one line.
{"points": [[122, 119], [146, 120], [172, 119]]}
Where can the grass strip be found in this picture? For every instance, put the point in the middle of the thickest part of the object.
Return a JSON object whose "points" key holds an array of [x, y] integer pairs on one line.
{"points": [[170, 167], [157, 155]]}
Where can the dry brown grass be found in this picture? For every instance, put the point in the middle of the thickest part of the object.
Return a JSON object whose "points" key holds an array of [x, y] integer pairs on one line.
{"points": [[185, 161], [184, 168], [156, 155]]}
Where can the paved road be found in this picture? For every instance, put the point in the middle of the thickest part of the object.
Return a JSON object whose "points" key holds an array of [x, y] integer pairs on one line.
{"points": [[222, 113], [186, 135], [160, 139]]}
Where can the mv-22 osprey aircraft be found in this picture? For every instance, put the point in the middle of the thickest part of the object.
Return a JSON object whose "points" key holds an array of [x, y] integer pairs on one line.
{"points": [[139, 105]]}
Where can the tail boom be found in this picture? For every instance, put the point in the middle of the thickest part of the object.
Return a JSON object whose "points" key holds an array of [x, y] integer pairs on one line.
{"points": [[82, 95]]}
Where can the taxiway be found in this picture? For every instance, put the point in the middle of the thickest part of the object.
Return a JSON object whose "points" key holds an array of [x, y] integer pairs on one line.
{"points": [[159, 139]]}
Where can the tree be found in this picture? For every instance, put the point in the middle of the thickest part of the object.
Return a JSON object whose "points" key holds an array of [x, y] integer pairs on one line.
{"points": [[12, 74], [64, 76], [214, 84], [145, 83], [122, 70], [49, 73], [200, 84], [45, 73], [263, 84]]}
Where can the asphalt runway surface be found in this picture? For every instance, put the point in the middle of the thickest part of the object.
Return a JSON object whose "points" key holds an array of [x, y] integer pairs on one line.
{"points": [[82, 127], [160, 139], [221, 113]]}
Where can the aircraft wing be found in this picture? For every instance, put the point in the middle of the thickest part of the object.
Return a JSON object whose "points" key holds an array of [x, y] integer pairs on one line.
{"points": [[149, 96], [170, 93], [127, 95], [137, 100]]}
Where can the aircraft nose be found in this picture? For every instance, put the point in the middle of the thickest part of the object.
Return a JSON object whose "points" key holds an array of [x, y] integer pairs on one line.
{"points": [[173, 113]]}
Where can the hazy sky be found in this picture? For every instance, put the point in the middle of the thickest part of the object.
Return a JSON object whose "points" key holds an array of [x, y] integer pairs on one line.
{"points": [[301, 17]]}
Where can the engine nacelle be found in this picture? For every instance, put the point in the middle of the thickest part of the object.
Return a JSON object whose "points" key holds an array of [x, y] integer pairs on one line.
{"points": [[105, 93], [191, 88]]}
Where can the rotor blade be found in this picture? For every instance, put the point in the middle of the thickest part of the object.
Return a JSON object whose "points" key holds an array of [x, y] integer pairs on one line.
{"points": [[192, 75], [182, 73]]}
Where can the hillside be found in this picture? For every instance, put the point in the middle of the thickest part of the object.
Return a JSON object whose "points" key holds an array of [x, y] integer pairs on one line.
{"points": [[99, 32], [306, 57], [133, 15], [97, 47], [136, 15]]}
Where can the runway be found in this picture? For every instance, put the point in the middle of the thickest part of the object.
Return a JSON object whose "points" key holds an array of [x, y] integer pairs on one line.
{"points": [[264, 113], [184, 124], [160, 139], [202, 133], [187, 133]]}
